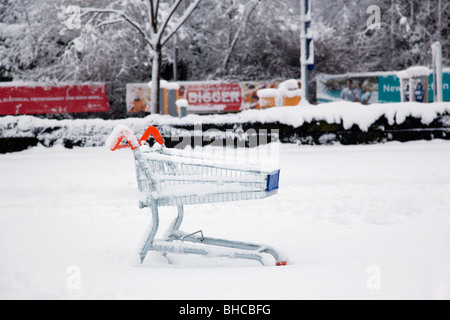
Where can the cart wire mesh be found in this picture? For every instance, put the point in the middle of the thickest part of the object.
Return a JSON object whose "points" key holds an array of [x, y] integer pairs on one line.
{"points": [[173, 180]]}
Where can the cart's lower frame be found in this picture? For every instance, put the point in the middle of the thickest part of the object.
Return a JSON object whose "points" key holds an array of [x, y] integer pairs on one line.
{"points": [[176, 241]]}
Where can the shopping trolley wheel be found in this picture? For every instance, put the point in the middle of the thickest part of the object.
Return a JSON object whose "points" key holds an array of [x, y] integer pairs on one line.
{"points": [[281, 263]]}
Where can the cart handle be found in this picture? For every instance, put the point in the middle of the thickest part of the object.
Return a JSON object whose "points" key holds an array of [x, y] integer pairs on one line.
{"points": [[155, 133], [123, 132]]}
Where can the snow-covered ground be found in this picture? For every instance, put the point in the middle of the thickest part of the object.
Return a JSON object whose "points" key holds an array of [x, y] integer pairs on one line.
{"points": [[369, 222]]}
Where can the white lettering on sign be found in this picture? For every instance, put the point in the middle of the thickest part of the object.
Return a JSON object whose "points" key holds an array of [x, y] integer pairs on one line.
{"points": [[207, 97], [217, 98], [388, 88], [235, 96], [200, 97], [192, 97]]}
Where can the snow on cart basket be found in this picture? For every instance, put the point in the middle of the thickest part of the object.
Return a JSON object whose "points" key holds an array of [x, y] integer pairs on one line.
{"points": [[167, 178]]}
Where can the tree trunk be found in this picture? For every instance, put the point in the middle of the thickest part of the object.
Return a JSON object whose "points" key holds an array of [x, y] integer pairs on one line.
{"points": [[233, 40], [156, 79]]}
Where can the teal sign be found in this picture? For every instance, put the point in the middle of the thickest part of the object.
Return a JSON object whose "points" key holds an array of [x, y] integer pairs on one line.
{"points": [[386, 88], [389, 89], [445, 89]]}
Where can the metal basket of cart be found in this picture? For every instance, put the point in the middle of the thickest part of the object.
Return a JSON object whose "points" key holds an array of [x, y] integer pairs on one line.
{"points": [[167, 177]]}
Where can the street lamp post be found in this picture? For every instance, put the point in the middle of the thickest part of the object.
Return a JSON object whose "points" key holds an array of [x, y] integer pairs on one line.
{"points": [[307, 46]]}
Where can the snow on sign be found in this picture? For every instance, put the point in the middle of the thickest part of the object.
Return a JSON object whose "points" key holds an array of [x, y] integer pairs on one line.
{"points": [[39, 99]]}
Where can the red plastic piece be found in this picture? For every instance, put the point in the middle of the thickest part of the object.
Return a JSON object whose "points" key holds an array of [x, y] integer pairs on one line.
{"points": [[281, 263], [155, 133], [120, 146], [150, 131]]}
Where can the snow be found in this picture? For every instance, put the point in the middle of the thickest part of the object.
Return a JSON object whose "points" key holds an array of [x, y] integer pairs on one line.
{"points": [[265, 160], [289, 88], [267, 93], [95, 131], [119, 133], [182, 103], [403, 74], [18, 83], [79, 44], [291, 84], [167, 85], [356, 222], [202, 189], [357, 74], [403, 21], [418, 71], [12, 30]]}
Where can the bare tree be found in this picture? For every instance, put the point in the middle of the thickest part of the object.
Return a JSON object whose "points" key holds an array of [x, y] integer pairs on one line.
{"points": [[162, 22], [232, 46]]}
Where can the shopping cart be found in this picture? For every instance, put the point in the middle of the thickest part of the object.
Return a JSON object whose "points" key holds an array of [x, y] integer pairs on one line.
{"points": [[166, 177]]}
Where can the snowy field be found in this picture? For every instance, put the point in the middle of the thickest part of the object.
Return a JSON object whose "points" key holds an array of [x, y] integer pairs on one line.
{"points": [[356, 222]]}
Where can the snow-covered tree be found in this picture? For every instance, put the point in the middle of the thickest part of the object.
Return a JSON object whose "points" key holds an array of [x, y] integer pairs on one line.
{"points": [[408, 29], [27, 42], [241, 39], [160, 20], [124, 41]]}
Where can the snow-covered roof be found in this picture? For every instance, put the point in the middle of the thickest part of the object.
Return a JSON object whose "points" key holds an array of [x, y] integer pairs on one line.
{"points": [[267, 93], [182, 103], [43, 84], [322, 76], [289, 85], [289, 89], [167, 85], [403, 74], [418, 71]]}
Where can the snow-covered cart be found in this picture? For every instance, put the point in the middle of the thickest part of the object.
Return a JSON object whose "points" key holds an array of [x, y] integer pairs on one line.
{"points": [[167, 178]]}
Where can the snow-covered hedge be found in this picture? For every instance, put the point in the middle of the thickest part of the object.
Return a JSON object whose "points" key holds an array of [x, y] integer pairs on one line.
{"points": [[307, 124]]}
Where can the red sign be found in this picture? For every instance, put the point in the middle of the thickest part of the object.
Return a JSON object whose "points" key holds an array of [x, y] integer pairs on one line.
{"points": [[15, 100], [216, 97]]}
